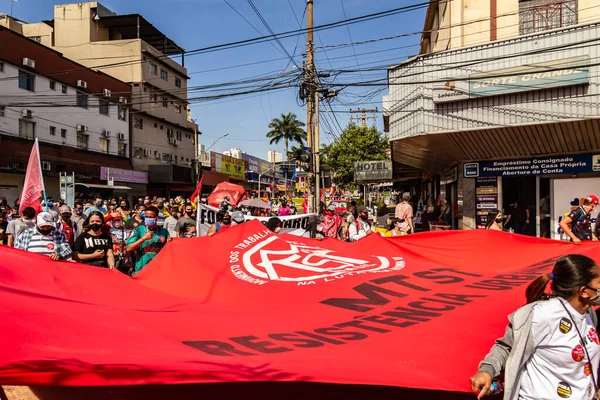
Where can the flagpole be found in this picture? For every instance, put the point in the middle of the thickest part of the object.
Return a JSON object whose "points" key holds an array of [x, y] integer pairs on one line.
{"points": [[37, 149], [12, 3]]}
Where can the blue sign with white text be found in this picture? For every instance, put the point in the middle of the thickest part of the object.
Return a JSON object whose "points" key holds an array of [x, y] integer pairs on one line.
{"points": [[552, 165]]}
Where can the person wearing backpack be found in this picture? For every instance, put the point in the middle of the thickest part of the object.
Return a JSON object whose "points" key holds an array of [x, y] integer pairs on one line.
{"points": [[578, 224], [361, 227]]}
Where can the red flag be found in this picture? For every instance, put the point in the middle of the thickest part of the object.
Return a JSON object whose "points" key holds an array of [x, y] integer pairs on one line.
{"points": [[33, 188], [197, 192]]}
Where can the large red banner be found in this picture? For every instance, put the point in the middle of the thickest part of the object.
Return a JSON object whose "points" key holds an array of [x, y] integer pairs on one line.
{"points": [[246, 305]]}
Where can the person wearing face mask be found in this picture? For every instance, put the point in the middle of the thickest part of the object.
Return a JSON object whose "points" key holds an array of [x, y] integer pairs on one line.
{"points": [[551, 348], [361, 227], [98, 206], [494, 219], [188, 218], [67, 226], [578, 224], [119, 235], [190, 232], [147, 240], [138, 217], [78, 217], [222, 224], [19, 225], [93, 246], [331, 223], [44, 239], [50, 207], [395, 228]]}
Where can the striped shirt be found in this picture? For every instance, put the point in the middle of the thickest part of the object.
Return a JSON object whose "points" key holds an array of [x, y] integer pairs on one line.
{"points": [[41, 244]]}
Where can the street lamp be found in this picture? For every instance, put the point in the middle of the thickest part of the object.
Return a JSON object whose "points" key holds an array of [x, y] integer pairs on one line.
{"points": [[210, 147]]}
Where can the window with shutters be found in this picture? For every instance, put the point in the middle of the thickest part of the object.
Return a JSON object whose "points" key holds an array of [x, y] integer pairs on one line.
{"points": [[52, 131], [26, 129], [82, 100], [104, 145], [82, 140], [104, 107], [138, 122]]}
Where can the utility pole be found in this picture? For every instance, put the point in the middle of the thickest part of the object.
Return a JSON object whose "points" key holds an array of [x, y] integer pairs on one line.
{"points": [[317, 146], [308, 91], [364, 117]]}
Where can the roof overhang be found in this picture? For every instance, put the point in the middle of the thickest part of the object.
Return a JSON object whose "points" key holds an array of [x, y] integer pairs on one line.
{"points": [[98, 186], [435, 152], [128, 26]]}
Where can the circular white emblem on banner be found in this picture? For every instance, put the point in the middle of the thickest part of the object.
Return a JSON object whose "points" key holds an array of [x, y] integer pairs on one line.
{"points": [[278, 260]]}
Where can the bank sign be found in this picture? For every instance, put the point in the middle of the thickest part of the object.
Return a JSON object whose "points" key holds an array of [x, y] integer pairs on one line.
{"points": [[554, 165], [372, 171], [565, 72]]}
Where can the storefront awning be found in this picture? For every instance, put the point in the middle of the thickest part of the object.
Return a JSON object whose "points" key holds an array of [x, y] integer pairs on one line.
{"points": [[98, 186], [434, 152]]}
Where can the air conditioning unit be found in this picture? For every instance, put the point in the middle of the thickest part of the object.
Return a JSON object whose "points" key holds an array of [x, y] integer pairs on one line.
{"points": [[27, 113], [106, 93], [28, 62], [171, 141], [176, 142], [121, 136], [82, 84], [122, 99], [82, 128], [105, 133], [46, 166]]}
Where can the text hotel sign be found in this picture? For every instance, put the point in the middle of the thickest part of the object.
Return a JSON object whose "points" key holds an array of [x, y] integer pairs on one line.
{"points": [[372, 171], [565, 72]]}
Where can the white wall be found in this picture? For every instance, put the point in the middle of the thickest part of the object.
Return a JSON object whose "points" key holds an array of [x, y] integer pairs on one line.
{"points": [[59, 117]]}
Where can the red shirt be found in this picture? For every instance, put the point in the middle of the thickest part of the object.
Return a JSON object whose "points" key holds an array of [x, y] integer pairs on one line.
{"points": [[69, 234]]}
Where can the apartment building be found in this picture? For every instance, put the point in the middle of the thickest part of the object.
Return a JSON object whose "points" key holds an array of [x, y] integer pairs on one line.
{"points": [[131, 49], [502, 106], [80, 116]]}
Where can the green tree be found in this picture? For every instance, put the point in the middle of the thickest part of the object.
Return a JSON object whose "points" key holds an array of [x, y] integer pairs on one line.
{"points": [[295, 153], [355, 144], [288, 129]]}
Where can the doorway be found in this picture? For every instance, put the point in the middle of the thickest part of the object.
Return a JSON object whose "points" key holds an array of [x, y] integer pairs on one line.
{"points": [[520, 192]]}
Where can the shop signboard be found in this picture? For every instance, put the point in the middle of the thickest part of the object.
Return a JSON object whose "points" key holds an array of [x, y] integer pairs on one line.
{"points": [[486, 198], [230, 166], [123, 175], [369, 171], [258, 166], [538, 76], [551, 165]]}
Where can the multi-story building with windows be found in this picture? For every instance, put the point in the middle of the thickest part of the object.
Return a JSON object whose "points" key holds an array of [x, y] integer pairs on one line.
{"points": [[80, 116], [501, 106], [131, 49]]}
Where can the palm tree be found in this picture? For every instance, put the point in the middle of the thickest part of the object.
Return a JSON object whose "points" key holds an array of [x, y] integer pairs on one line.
{"points": [[288, 129], [295, 153]]}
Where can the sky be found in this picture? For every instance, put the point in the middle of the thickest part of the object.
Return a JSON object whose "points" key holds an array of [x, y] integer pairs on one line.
{"points": [[194, 24]]}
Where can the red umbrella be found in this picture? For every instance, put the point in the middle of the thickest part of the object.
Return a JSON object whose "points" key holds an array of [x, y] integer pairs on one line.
{"points": [[226, 191]]}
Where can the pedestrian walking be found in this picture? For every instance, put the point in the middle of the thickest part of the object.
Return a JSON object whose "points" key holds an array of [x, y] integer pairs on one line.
{"points": [[494, 219], [551, 347], [578, 224], [404, 211], [361, 227]]}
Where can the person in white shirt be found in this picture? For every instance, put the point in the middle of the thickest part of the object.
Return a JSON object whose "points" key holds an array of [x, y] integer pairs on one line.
{"points": [[361, 227], [551, 349]]}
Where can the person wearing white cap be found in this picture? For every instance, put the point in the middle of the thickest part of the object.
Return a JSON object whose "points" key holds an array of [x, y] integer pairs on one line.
{"points": [[45, 239]]}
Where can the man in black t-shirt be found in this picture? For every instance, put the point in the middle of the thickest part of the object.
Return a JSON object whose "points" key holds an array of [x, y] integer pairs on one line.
{"points": [[3, 226], [578, 225]]}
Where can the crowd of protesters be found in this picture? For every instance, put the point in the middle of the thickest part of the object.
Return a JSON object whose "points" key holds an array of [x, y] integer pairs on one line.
{"points": [[101, 233]]}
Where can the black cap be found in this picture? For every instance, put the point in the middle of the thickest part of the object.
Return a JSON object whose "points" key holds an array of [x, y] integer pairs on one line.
{"points": [[363, 209]]}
